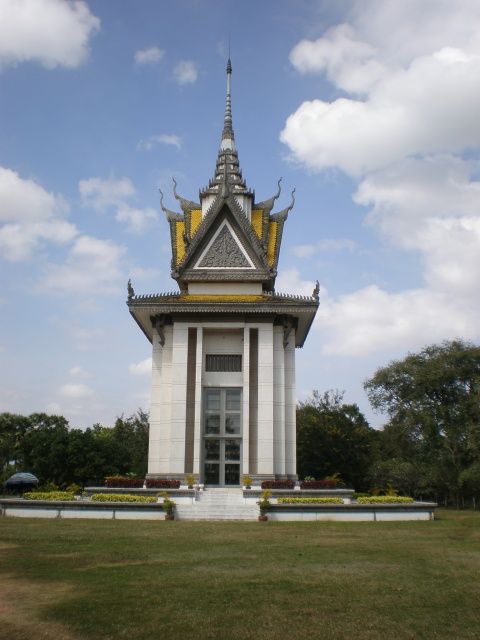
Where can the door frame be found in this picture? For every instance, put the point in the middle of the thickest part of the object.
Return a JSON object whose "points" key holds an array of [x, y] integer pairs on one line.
{"points": [[222, 436]]}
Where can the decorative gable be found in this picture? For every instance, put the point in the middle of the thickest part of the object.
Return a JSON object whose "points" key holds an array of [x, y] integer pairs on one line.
{"points": [[224, 251]]}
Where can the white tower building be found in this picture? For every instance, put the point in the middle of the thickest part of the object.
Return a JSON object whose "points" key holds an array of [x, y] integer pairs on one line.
{"points": [[223, 376]]}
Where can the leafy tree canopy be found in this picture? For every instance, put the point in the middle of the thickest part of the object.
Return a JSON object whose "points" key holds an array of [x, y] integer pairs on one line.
{"points": [[333, 437], [433, 401]]}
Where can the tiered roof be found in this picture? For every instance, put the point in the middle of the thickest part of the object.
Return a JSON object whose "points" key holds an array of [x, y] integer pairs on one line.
{"points": [[225, 237], [253, 227]]}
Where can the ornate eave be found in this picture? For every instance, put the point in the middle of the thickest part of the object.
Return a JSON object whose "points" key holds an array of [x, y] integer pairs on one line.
{"points": [[300, 310]]}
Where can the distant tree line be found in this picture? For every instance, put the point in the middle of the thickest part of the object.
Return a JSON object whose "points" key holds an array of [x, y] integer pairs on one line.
{"points": [[430, 445], [45, 446], [429, 448]]}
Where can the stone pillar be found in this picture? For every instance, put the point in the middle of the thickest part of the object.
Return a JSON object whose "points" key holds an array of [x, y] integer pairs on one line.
{"points": [[290, 409], [160, 407], [278, 402], [265, 400], [197, 455], [179, 392], [246, 403]]}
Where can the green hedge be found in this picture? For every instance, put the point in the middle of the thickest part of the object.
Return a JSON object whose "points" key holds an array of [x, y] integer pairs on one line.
{"points": [[384, 500], [310, 501], [120, 497], [67, 496]]}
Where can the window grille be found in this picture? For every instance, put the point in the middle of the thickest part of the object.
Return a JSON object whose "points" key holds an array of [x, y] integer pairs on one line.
{"points": [[221, 362]]}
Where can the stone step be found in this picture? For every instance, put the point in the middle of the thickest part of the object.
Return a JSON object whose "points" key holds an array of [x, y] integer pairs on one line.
{"points": [[218, 504]]}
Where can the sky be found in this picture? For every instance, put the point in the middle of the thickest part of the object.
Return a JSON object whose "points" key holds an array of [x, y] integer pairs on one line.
{"points": [[369, 108]]}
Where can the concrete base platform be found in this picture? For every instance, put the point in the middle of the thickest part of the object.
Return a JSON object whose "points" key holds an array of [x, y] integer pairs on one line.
{"points": [[219, 504]]}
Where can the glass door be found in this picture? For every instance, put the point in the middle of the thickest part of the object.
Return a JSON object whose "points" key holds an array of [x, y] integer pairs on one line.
{"points": [[222, 442]]}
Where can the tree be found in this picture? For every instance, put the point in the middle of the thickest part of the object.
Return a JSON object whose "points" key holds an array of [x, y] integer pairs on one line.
{"points": [[47, 447], [12, 430], [131, 436], [333, 437], [432, 399]]}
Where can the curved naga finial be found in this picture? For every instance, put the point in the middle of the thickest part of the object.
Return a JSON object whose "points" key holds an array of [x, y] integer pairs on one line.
{"points": [[316, 291], [279, 189], [187, 205], [168, 212], [267, 205], [283, 214]]}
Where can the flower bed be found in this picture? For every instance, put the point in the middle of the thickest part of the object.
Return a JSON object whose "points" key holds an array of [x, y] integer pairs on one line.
{"points": [[321, 484], [68, 496], [162, 483], [123, 482], [278, 484], [310, 501], [121, 497], [384, 500]]}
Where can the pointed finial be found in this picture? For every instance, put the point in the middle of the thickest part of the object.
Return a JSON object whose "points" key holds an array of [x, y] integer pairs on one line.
{"points": [[225, 188], [131, 292], [228, 136]]}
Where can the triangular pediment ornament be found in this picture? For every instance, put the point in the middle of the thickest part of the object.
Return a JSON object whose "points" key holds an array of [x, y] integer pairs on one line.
{"points": [[224, 251]]}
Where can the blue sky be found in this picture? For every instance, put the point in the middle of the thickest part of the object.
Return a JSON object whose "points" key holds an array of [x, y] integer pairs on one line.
{"points": [[369, 108]]}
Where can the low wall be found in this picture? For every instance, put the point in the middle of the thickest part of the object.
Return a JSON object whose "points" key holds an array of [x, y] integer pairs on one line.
{"points": [[352, 512], [81, 509], [276, 512]]}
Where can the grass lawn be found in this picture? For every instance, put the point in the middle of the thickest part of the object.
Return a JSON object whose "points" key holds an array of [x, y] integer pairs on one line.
{"points": [[90, 579]]}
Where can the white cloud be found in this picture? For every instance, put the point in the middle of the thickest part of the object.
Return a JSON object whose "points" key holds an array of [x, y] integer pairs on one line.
{"points": [[53, 409], [141, 368], [185, 72], [30, 216], [162, 138], [144, 273], [347, 61], [432, 206], [79, 372], [75, 390], [289, 280], [137, 220], [327, 244], [93, 267], [409, 111], [51, 32], [372, 320], [85, 338], [149, 56], [101, 193], [424, 102]]}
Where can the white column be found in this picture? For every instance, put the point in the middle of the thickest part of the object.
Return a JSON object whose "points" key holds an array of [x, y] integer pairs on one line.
{"points": [[179, 397], [198, 403], [278, 401], [290, 408], [265, 399], [246, 402], [160, 414]]}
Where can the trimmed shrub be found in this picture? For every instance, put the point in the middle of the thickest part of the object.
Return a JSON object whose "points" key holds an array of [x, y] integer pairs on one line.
{"points": [[119, 497], [321, 484], [278, 484], [123, 482], [66, 496], [384, 500], [162, 483], [325, 500]]}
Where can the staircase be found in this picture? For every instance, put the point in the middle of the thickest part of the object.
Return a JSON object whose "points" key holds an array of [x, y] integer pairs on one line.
{"points": [[218, 504]]}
